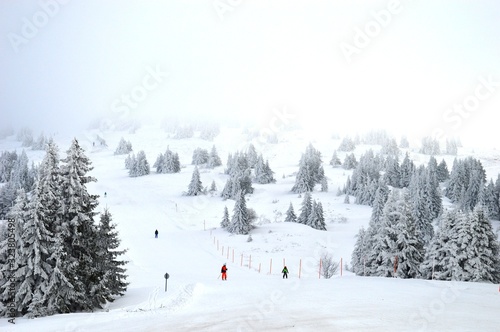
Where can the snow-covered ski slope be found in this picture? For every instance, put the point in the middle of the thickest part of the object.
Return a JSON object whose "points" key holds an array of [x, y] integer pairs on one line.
{"points": [[191, 248]]}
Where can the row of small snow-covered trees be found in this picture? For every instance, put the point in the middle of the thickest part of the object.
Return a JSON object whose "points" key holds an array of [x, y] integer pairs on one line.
{"points": [[311, 213], [465, 247], [242, 218], [203, 157], [124, 147], [64, 261]]}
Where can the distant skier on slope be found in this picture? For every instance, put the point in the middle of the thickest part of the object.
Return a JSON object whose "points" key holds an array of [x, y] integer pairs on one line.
{"points": [[156, 234], [285, 272], [223, 270]]}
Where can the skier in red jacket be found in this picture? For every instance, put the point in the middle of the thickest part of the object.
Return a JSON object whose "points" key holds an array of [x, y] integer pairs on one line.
{"points": [[223, 271]]}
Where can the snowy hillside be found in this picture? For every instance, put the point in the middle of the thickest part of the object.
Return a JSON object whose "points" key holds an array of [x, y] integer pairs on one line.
{"points": [[191, 248]]}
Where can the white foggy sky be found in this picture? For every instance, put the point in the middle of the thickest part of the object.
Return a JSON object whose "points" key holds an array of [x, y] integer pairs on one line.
{"points": [[263, 55]]}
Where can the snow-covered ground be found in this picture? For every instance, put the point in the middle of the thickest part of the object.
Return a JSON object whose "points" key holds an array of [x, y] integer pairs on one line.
{"points": [[191, 248]]}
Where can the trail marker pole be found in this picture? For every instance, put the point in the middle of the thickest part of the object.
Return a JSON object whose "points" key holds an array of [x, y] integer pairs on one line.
{"points": [[166, 278], [270, 266]]}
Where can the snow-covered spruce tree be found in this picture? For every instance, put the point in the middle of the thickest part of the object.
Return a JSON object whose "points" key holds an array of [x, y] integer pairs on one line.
{"points": [[142, 164], [393, 172], [473, 190], [111, 273], [290, 214], [225, 223], [478, 249], [251, 156], [440, 252], [263, 173], [172, 162], [350, 161], [410, 244], [124, 147], [442, 171], [406, 170], [491, 200], [306, 209], [200, 156], [385, 242], [310, 172], [78, 230], [335, 161], [195, 186], [240, 222], [359, 253], [213, 158], [7, 162], [33, 267], [213, 187], [365, 178], [316, 219]]}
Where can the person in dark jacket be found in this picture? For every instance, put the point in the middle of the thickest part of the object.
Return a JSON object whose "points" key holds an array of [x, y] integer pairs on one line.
{"points": [[285, 272], [156, 234], [223, 270]]}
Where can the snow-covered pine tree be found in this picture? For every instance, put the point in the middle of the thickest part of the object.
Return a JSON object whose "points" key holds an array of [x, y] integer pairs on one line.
{"points": [[406, 170], [195, 186], [111, 272], [358, 258], [33, 267], [335, 161], [200, 156], [213, 158], [440, 252], [306, 209], [350, 161], [142, 164], [251, 156], [310, 171], [316, 219], [478, 256], [393, 172], [442, 171], [290, 214], [385, 242], [240, 223], [78, 230], [263, 173], [410, 244], [225, 223]]}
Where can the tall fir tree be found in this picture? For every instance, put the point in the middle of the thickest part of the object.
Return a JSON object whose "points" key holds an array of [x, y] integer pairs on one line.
{"points": [[306, 209]]}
